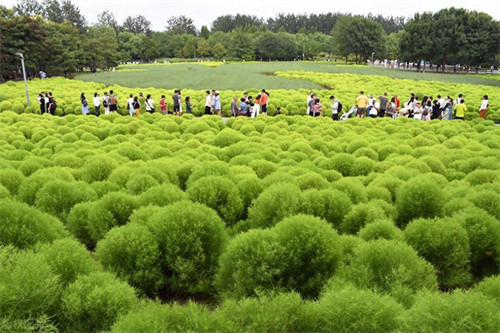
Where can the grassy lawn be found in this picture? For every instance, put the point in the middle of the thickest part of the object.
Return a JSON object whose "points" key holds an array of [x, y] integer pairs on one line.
{"points": [[241, 76]]}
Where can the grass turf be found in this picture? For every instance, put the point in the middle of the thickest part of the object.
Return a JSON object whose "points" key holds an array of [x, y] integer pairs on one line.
{"points": [[241, 76]]}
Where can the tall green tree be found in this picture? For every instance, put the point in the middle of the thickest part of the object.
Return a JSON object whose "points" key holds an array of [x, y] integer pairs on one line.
{"points": [[204, 32], [178, 25], [107, 19], [219, 51], [138, 25], [359, 36], [102, 47], [241, 46]]}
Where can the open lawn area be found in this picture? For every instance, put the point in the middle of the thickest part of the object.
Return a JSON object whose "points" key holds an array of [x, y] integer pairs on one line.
{"points": [[242, 76]]}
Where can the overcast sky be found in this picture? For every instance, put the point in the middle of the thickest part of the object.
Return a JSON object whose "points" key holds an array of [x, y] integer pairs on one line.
{"points": [[203, 12]]}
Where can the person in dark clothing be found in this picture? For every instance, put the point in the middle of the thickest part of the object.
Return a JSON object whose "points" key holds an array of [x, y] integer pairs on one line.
{"points": [[436, 109]]}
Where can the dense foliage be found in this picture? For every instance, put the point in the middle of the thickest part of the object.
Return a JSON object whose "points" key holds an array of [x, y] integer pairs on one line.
{"points": [[100, 215]]}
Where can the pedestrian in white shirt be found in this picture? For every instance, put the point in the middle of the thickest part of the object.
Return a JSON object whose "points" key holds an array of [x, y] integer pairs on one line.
{"points": [[150, 104], [309, 98], [97, 104], [130, 105], [484, 107], [442, 102], [335, 108], [208, 103], [106, 102]]}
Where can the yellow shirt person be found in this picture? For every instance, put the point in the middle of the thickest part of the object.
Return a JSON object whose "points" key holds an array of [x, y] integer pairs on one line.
{"points": [[361, 101], [461, 109]]}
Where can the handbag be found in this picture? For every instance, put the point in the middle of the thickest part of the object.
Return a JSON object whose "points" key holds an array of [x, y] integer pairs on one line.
{"points": [[152, 109]]}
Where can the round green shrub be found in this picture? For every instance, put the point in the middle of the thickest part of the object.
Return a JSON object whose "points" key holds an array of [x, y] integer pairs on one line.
{"points": [[220, 194], [132, 252], [353, 310], [263, 168], [456, 312], [24, 226], [77, 222], [488, 200], [483, 231], [161, 195], [58, 197], [104, 187], [210, 169], [93, 302], [4, 193], [227, 137], [140, 183], [11, 179], [312, 253], [490, 287], [311, 180], [375, 192], [156, 317], [343, 163], [68, 259], [283, 312], [251, 264], [444, 244], [418, 197], [390, 266], [28, 285], [98, 168], [249, 188], [191, 239], [110, 211], [331, 205], [353, 188], [32, 184], [359, 216], [273, 204], [381, 229]]}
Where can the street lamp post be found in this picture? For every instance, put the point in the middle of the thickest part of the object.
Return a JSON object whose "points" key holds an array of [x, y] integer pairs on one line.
{"points": [[24, 76], [373, 53]]}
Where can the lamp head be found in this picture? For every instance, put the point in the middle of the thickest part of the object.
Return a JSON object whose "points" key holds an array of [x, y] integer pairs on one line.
{"points": [[20, 54]]}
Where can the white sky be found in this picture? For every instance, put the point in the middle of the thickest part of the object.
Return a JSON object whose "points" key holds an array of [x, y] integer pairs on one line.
{"points": [[203, 12]]}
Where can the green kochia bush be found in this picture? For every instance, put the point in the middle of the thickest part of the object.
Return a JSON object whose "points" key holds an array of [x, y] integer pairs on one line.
{"points": [[489, 287], [382, 229], [132, 252], [456, 312], [24, 226], [444, 244], [418, 197], [348, 309], [155, 317], [331, 205], [110, 211], [161, 195], [93, 302], [299, 254], [11, 179], [483, 231], [191, 237], [361, 215], [68, 259], [390, 266], [220, 194], [58, 197], [28, 285], [273, 204]]}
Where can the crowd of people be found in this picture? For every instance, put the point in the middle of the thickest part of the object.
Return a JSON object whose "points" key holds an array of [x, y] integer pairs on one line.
{"points": [[442, 107]]}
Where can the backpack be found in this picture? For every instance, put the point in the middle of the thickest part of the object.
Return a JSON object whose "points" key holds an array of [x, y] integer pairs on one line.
{"points": [[85, 102], [339, 107], [105, 102], [113, 100]]}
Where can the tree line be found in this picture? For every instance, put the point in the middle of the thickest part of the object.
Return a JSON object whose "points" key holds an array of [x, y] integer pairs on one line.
{"points": [[56, 38]]}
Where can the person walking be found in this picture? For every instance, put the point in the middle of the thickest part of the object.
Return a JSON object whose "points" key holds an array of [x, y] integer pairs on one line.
{"points": [[51, 104], [150, 104], [311, 105], [105, 103], [97, 104], [461, 109], [317, 108], [361, 103], [264, 101], [41, 101], [130, 105], [217, 104], [137, 107], [234, 107], [113, 102], [257, 104], [180, 103], [484, 107], [142, 103], [163, 105], [335, 108], [85, 104], [383, 104], [189, 106], [309, 98], [176, 100], [208, 102]]}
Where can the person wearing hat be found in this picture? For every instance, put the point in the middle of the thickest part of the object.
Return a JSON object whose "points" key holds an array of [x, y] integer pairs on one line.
{"points": [[217, 106], [484, 107]]}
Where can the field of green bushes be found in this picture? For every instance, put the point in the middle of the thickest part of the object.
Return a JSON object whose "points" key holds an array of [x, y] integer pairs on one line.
{"points": [[345, 87], [277, 224]]}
